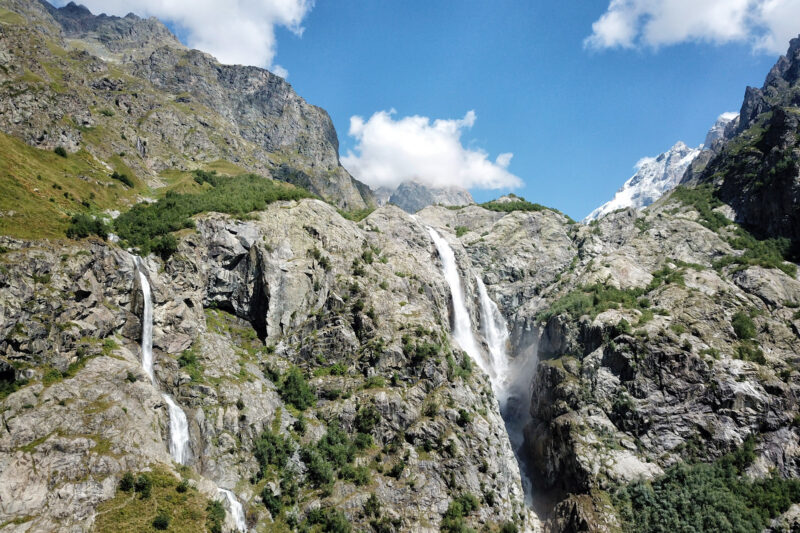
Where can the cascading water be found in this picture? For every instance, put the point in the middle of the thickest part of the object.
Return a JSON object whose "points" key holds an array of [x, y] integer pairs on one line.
{"points": [[462, 326], [178, 425], [178, 431], [236, 509], [147, 322], [510, 379]]}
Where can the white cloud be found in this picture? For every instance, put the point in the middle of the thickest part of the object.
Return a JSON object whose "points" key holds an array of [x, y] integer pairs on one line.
{"points": [[234, 31], [391, 151], [766, 24]]}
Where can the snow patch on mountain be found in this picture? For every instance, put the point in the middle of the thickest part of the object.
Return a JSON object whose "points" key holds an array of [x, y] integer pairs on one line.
{"points": [[656, 175]]}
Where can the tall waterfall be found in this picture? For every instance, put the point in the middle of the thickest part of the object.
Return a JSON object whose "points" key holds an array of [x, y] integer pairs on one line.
{"points": [[510, 378], [236, 509], [178, 425], [495, 333], [147, 322], [462, 326]]}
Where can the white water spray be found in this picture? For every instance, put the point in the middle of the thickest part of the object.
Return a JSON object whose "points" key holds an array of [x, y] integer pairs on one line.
{"points": [[495, 333], [462, 326], [510, 378], [236, 509], [178, 431], [147, 322], [178, 425]]}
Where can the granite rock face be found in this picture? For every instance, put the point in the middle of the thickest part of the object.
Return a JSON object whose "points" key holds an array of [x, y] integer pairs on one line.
{"points": [[300, 286]]}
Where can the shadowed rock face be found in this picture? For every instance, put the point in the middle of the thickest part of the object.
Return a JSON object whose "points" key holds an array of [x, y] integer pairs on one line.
{"points": [[757, 173], [163, 106]]}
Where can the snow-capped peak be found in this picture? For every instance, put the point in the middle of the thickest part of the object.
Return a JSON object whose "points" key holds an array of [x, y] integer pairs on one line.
{"points": [[656, 175]]}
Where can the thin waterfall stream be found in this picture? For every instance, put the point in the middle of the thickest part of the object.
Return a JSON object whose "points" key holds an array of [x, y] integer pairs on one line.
{"points": [[510, 378], [178, 424]]}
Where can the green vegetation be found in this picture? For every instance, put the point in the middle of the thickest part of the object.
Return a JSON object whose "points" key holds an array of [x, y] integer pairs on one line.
{"points": [[82, 226], [702, 199], [743, 326], [594, 299], [60, 151], [152, 500], [461, 231], [356, 215], [768, 253], [295, 391], [189, 363], [147, 226], [518, 204], [272, 449], [706, 497], [124, 178], [457, 511]]}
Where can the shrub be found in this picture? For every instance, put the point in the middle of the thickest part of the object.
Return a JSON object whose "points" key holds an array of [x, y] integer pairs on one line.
{"points": [[518, 204], [460, 507], [743, 326], [461, 231], [295, 391], [216, 516], [320, 471], [183, 486], [271, 501], [122, 178], [372, 507], [60, 150], [143, 485], [144, 224], [161, 521], [191, 365], [330, 520], [367, 418], [126, 483], [706, 497], [272, 449], [82, 226]]}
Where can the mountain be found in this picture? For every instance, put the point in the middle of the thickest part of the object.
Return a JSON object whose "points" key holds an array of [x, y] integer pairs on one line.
{"points": [[412, 196], [758, 173], [125, 91], [656, 175], [203, 351]]}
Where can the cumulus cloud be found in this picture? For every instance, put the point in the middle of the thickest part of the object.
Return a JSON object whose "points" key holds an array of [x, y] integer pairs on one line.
{"points": [[390, 151], [766, 24], [234, 31]]}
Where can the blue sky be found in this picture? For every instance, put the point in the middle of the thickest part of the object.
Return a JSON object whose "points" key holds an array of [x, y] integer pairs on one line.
{"points": [[576, 117]]}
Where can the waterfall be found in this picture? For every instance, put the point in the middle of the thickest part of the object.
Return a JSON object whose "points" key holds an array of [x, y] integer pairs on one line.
{"points": [[235, 508], [495, 333], [462, 326], [510, 378], [147, 322], [178, 425], [178, 431]]}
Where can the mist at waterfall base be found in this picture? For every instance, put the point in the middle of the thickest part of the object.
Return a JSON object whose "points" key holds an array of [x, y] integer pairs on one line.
{"points": [[510, 377]]}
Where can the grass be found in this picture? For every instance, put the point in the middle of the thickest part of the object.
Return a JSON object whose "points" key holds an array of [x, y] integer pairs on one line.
{"points": [[146, 226], [356, 215], [44, 190], [130, 511]]}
